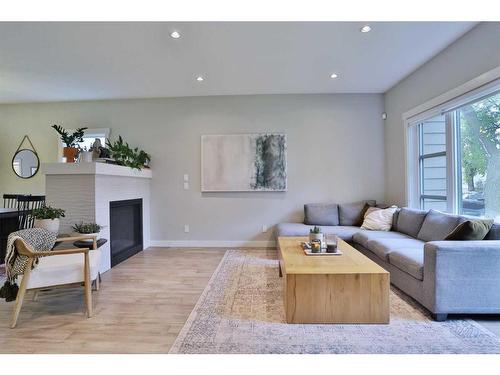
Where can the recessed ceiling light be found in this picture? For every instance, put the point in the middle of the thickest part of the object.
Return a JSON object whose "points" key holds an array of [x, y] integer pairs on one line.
{"points": [[365, 29], [175, 34], [334, 75], [200, 79]]}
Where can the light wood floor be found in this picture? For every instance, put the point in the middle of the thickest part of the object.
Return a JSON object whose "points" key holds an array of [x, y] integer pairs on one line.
{"points": [[140, 308]]}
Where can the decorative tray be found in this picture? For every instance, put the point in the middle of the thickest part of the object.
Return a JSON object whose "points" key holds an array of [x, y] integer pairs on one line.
{"points": [[307, 251]]}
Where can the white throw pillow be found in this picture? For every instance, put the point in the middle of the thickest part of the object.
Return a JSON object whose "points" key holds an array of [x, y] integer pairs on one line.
{"points": [[379, 219]]}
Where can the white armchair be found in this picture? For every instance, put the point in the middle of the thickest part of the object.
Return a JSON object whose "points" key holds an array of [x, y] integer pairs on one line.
{"points": [[58, 268]]}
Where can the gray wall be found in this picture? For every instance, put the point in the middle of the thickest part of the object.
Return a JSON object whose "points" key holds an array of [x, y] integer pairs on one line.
{"points": [[335, 152], [470, 56]]}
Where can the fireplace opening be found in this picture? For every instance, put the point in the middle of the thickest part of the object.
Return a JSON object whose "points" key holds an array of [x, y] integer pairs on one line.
{"points": [[125, 221]]}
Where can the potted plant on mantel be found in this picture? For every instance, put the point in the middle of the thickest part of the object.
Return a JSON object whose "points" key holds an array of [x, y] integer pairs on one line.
{"points": [[47, 218], [70, 140], [127, 156]]}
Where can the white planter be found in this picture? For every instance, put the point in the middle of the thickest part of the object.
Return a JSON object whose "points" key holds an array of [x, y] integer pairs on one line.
{"points": [[90, 235], [51, 225], [86, 157], [315, 236]]}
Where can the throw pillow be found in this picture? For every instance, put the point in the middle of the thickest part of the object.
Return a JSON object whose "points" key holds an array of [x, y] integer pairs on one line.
{"points": [[379, 219], [471, 230], [371, 209]]}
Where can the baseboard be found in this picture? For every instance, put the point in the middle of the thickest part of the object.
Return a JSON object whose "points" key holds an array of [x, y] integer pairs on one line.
{"points": [[207, 243]]}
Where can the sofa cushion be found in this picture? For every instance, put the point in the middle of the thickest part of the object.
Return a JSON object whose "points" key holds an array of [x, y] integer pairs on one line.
{"points": [[437, 226], [470, 230], [321, 214], [410, 261], [362, 237], [382, 247], [299, 229], [352, 213], [410, 221], [494, 233]]}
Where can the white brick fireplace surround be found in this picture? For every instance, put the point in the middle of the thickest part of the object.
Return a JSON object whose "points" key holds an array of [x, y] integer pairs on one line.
{"points": [[85, 190]]}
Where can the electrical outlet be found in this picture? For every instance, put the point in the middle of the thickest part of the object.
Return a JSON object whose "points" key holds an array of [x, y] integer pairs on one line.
{"points": [[186, 228], [264, 228], [186, 178], [186, 185]]}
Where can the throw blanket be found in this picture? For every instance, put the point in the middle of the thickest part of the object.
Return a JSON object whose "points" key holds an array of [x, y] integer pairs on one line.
{"points": [[40, 240]]}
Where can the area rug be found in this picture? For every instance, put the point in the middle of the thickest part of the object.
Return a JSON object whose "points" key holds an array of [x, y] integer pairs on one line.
{"points": [[241, 311]]}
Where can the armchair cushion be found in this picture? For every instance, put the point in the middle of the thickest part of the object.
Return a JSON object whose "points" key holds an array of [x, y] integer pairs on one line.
{"points": [[62, 269]]}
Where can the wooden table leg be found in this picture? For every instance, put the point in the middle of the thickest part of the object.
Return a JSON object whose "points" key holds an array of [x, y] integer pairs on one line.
{"points": [[88, 285]]}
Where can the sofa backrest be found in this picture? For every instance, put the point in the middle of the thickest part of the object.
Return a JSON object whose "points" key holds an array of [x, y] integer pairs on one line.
{"points": [[494, 233], [409, 221], [433, 225], [321, 214], [351, 214], [437, 225]]}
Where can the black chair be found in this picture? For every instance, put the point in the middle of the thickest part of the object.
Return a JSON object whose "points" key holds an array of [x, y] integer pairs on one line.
{"points": [[25, 204], [10, 200]]}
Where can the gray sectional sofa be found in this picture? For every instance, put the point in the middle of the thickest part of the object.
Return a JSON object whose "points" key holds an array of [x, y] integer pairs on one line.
{"points": [[444, 276]]}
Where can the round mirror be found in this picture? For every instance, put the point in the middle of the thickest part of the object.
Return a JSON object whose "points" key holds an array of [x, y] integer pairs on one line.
{"points": [[25, 163]]}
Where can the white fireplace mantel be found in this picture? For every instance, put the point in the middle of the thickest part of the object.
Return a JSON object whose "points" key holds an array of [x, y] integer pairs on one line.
{"points": [[94, 168], [84, 191]]}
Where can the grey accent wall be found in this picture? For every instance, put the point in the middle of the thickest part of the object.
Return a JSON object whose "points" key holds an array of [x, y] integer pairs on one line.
{"points": [[470, 56], [335, 153]]}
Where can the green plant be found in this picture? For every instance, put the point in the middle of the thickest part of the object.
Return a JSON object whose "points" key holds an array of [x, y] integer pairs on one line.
{"points": [[315, 230], [87, 228], [126, 155], [47, 212], [70, 139]]}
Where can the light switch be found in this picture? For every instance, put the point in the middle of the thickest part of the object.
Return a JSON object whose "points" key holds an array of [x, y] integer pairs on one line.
{"points": [[186, 178], [186, 228]]}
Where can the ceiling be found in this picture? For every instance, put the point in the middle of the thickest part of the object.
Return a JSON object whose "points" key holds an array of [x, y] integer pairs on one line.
{"points": [[88, 61]]}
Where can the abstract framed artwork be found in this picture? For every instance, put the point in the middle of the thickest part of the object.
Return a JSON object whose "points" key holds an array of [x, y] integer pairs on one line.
{"points": [[243, 162]]}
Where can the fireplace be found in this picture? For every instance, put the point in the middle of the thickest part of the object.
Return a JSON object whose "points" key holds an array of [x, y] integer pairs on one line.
{"points": [[125, 225]]}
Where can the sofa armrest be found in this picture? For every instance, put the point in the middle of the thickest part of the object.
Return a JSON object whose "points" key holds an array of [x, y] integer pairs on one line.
{"points": [[462, 276]]}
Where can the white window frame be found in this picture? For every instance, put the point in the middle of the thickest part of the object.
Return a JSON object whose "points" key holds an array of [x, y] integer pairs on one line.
{"points": [[94, 132], [471, 91]]}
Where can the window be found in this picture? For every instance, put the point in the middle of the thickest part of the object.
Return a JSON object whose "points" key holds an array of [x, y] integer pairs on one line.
{"points": [[456, 158], [478, 126], [432, 163]]}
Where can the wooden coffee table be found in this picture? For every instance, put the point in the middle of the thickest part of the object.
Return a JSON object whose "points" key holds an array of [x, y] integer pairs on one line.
{"points": [[348, 288]]}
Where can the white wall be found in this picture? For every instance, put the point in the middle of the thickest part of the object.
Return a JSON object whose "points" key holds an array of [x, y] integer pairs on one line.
{"points": [[335, 152], [470, 56]]}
